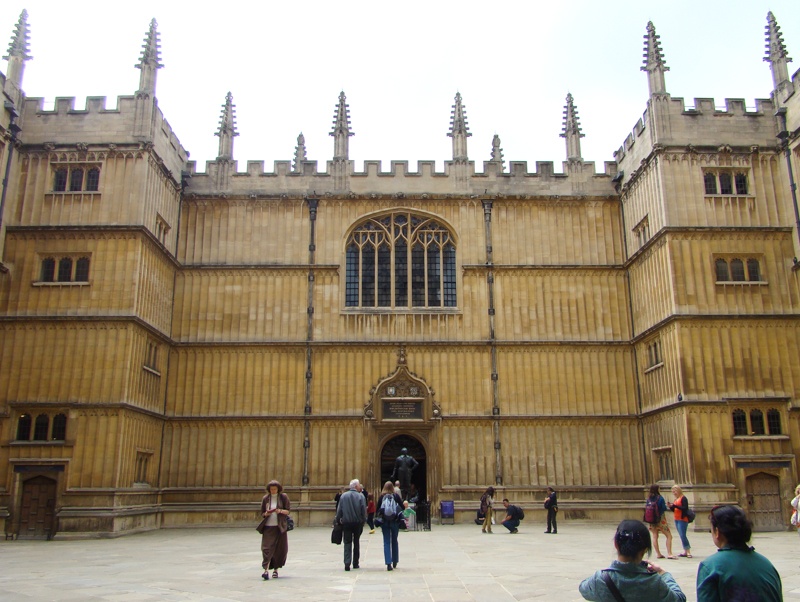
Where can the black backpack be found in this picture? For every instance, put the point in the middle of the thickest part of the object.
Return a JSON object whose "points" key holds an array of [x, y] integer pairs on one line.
{"points": [[520, 513]]}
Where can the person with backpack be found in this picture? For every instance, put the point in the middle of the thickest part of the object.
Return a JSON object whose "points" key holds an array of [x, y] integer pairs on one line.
{"points": [[551, 505], [682, 519], [389, 516], [487, 499], [514, 514], [631, 577], [655, 515]]}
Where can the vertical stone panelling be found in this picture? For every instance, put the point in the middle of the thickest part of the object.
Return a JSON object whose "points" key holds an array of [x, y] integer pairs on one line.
{"points": [[249, 381], [651, 284], [336, 453], [139, 434], [468, 458], [96, 452]]}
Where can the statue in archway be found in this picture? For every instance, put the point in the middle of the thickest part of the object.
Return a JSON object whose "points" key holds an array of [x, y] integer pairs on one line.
{"points": [[404, 467]]}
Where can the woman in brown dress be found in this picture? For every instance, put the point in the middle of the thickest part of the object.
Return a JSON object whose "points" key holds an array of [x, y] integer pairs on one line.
{"points": [[274, 541]]}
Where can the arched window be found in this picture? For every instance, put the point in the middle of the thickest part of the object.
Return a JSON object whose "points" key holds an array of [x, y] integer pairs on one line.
{"points": [[741, 183], [76, 180], [65, 269], [397, 258], [24, 427], [774, 421], [753, 270], [739, 423], [722, 270], [48, 270], [725, 184], [82, 270], [60, 180], [92, 179], [59, 427], [710, 181], [737, 270], [757, 422], [40, 427]]}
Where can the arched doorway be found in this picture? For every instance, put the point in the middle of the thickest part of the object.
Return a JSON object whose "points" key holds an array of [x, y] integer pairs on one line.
{"points": [[37, 510], [391, 449]]}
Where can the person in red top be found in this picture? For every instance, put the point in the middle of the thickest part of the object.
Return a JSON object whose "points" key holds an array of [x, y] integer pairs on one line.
{"points": [[680, 507], [371, 513]]}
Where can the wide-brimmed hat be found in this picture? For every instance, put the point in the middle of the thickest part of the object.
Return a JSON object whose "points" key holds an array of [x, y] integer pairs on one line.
{"points": [[276, 483]]}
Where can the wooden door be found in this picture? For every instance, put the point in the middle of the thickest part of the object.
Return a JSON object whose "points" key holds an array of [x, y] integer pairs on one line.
{"points": [[37, 513], [764, 502]]}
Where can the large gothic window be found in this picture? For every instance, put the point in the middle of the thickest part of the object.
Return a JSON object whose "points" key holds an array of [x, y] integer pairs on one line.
{"points": [[400, 260]]}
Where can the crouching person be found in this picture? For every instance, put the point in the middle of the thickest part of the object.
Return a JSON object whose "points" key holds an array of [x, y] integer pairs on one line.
{"points": [[514, 514]]}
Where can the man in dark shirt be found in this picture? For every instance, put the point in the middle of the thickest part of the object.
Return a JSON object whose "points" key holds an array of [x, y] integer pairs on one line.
{"points": [[513, 513]]}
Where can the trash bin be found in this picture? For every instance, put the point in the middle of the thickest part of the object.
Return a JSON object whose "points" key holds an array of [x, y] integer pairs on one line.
{"points": [[447, 512]]}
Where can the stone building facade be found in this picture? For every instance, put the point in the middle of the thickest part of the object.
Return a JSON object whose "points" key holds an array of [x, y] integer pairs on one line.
{"points": [[171, 339]]}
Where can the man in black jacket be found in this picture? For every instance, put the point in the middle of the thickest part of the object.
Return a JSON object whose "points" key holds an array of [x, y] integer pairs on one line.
{"points": [[351, 513], [513, 516]]}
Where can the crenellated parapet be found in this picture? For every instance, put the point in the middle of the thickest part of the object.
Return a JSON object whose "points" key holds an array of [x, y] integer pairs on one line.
{"points": [[97, 125], [668, 122], [305, 179]]}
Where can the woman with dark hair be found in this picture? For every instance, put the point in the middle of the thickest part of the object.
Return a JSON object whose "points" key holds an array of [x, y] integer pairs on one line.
{"points": [[390, 525], [630, 577], [660, 525], [487, 499], [736, 571], [275, 508]]}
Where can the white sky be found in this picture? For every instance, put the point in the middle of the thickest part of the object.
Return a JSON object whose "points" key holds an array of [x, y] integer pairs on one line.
{"points": [[400, 65]]}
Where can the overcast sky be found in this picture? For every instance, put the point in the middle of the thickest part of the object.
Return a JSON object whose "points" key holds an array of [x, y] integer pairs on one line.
{"points": [[400, 65]]}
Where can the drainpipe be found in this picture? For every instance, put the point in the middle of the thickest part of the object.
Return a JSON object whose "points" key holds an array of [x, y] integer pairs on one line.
{"points": [[783, 136], [14, 129]]}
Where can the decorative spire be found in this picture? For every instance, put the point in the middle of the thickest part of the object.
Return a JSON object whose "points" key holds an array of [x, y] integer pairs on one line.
{"points": [[776, 52], [149, 62], [341, 130], [654, 61], [572, 130], [459, 130], [18, 50], [227, 128], [497, 152], [299, 154]]}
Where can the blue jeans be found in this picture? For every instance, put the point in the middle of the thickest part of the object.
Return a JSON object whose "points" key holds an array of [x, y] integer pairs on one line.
{"points": [[681, 526], [391, 552], [511, 523]]}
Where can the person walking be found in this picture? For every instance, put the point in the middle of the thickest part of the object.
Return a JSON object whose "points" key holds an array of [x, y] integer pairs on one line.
{"points": [[656, 516], [513, 516], [351, 513], [371, 513], [275, 509], [630, 577], [486, 509], [389, 504], [796, 512], [551, 503], [680, 507], [736, 571]]}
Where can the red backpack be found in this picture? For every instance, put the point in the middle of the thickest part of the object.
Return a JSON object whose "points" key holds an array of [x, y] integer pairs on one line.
{"points": [[651, 514]]}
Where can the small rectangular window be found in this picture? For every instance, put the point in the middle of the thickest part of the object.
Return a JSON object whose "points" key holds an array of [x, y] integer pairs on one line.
{"points": [[725, 186], [60, 180], [741, 183], [710, 181], [76, 180]]}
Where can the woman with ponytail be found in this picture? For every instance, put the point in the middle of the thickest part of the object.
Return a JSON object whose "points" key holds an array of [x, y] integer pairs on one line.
{"points": [[630, 577]]}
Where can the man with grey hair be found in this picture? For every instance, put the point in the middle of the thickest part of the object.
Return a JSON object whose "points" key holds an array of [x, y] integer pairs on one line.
{"points": [[351, 513]]}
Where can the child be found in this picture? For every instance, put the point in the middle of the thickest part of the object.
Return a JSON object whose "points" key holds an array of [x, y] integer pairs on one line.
{"points": [[371, 513], [410, 516]]}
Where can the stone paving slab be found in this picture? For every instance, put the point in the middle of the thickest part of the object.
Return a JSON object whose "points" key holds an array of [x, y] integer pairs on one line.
{"points": [[451, 563]]}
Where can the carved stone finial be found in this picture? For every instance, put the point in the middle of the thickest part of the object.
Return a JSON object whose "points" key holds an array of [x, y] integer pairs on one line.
{"points": [[299, 154], [401, 356], [459, 130], [777, 55], [341, 129], [497, 152], [227, 129], [149, 61], [654, 62], [18, 50], [572, 130]]}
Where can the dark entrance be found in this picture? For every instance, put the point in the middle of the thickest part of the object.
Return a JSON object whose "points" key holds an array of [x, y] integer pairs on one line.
{"points": [[37, 512], [389, 454]]}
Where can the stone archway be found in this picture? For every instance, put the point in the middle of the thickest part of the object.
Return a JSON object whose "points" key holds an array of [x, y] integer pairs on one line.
{"points": [[390, 451]]}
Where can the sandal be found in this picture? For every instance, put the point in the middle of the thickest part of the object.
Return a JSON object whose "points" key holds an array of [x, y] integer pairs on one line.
{"points": [[659, 556], [275, 573], [672, 557]]}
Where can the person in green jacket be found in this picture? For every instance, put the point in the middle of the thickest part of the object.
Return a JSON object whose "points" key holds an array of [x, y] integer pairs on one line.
{"points": [[736, 571]]}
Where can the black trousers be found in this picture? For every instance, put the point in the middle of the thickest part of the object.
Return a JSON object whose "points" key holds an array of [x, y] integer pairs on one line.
{"points": [[551, 521], [351, 536]]}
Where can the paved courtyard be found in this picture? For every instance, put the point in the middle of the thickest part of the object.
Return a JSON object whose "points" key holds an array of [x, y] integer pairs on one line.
{"points": [[450, 563]]}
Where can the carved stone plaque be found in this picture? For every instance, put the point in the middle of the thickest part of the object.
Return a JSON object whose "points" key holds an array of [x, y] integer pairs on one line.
{"points": [[402, 409]]}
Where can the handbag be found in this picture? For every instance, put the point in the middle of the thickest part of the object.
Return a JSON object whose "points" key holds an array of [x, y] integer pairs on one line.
{"points": [[336, 534], [262, 525], [289, 523]]}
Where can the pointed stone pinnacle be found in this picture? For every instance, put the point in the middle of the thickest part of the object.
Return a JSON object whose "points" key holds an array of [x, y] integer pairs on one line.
{"points": [[19, 45]]}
